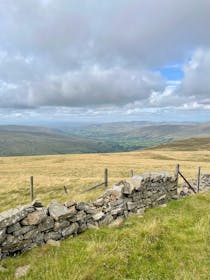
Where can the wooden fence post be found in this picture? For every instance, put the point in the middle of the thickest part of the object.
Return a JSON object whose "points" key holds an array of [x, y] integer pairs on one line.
{"points": [[106, 177], [131, 172], [198, 178], [65, 189], [176, 174], [32, 188]]}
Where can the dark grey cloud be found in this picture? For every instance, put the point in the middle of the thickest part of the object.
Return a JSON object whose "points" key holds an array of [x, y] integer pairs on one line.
{"points": [[95, 86], [89, 86], [130, 32]]}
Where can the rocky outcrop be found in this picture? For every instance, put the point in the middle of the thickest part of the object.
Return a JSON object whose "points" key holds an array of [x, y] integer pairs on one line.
{"points": [[25, 227]]}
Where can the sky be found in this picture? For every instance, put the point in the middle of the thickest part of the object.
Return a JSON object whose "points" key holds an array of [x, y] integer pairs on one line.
{"points": [[97, 61]]}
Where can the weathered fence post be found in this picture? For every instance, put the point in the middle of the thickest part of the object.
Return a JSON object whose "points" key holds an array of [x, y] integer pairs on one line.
{"points": [[32, 188], [106, 177], [176, 174], [131, 172], [198, 178], [65, 189]]}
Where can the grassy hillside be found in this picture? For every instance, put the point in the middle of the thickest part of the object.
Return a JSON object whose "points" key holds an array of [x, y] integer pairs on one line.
{"points": [[167, 243], [191, 144], [138, 135], [111, 137], [20, 140], [79, 171]]}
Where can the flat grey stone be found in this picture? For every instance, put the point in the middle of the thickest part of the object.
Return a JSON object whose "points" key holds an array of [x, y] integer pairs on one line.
{"points": [[81, 215], [35, 218], [14, 215], [13, 244], [47, 224], [81, 206], [70, 230], [72, 211], [82, 227], [61, 225], [59, 211], [117, 211], [98, 216], [23, 230], [99, 202], [14, 227], [53, 235], [161, 197], [126, 189], [2, 235], [53, 243], [31, 234], [131, 205], [91, 211], [39, 238], [107, 220]]}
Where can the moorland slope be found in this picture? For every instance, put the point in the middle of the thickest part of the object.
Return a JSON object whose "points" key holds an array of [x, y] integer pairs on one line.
{"points": [[166, 243]]}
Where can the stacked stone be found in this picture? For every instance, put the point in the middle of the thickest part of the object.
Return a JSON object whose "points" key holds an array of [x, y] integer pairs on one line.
{"points": [[150, 190], [205, 181], [185, 190], [25, 227]]}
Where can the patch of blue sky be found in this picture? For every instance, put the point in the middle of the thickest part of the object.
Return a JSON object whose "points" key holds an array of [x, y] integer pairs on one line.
{"points": [[173, 72]]}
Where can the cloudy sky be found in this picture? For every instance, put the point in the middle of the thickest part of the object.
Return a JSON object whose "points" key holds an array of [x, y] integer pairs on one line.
{"points": [[91, 60]]}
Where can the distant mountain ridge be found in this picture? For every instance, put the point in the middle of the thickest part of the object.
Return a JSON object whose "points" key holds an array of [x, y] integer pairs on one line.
{"points": [[94, 138], [28, 140], [138, 135], [30, 129]]}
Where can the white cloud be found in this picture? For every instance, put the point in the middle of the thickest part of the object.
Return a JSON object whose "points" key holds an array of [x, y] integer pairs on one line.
{"points": [[196, 75], [101, 54]]}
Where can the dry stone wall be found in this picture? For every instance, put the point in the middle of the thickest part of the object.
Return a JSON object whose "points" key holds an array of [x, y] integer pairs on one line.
{"points": [[25, 227], [184, 190]]}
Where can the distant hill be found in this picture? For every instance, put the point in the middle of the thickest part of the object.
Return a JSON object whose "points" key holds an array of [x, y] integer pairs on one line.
{"points": [[191, 144], [95, 138], [139, 135], [27, 140]]}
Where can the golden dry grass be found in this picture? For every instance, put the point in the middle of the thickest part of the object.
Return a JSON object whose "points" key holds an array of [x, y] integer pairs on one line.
{"points": [[78, 172], [166, 243]]}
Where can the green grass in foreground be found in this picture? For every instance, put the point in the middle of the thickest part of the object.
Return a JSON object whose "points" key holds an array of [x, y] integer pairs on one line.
{"points": [[166, 243]]}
